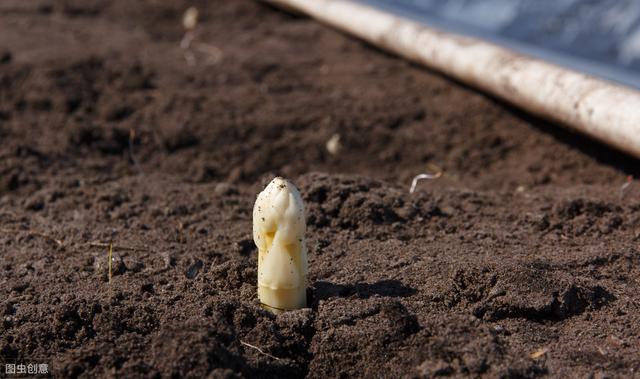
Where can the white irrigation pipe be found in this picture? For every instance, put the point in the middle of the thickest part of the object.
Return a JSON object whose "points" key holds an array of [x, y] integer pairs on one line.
{"points": [[600, 109]]}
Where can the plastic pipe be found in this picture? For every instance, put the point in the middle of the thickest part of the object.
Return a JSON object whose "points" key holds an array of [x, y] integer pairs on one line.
{"points": [[598, 108]]}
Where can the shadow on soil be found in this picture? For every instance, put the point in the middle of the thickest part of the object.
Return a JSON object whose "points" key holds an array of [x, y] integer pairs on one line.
{"points": [[599, 151]]}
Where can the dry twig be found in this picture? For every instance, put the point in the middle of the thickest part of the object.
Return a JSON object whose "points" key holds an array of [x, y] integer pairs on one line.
{"points": [[189, 45], [259, 350], [623, 188], [414, 182], [539, 353], [110, 260]]}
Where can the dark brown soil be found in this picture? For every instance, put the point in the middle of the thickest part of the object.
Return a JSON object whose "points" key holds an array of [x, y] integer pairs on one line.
{"points": [[521, 261]]}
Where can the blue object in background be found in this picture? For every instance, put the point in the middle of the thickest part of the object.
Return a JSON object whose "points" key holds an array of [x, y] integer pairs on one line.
{"points": [[600, 37]]}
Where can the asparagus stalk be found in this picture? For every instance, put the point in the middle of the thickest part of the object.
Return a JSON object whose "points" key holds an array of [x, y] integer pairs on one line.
{"points": [[278, 232]]}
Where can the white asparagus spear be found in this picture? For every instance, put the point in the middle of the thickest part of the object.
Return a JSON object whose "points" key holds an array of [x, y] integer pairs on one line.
{"points": [[278, 232]]}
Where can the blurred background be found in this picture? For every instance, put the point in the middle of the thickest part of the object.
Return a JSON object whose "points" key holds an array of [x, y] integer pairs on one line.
{"points": [[601, 37]]}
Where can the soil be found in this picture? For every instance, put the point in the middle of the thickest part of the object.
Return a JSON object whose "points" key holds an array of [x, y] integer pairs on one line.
{"points": [[522, 260]]}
